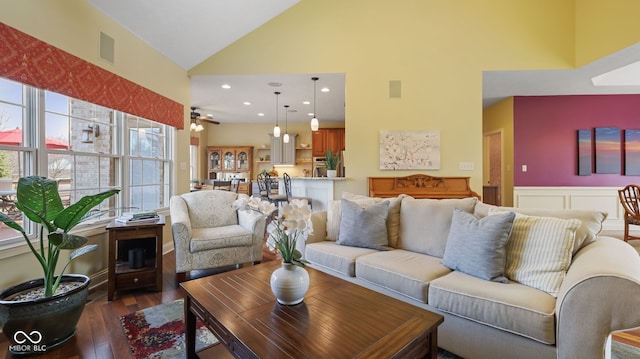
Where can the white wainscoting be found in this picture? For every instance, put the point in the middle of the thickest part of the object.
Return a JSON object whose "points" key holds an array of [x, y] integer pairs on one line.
{"points": [[590, 198]]}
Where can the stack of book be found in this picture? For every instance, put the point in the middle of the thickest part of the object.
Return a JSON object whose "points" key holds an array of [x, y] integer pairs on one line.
{"points": [[138, 217]]}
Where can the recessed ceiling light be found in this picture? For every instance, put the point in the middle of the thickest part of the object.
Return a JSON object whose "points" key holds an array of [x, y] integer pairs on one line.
{"points": [[274, 84], [226, 86], [310, 114], [246, 103], [260, 114], [325, 89], [306, 102]]}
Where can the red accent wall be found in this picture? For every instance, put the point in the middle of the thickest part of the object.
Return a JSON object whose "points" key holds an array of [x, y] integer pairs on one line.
{"points": [[545, 130], [33, 62]]}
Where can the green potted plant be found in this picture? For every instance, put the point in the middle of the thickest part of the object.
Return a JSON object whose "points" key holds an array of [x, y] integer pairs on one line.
{"points": [[47, 315], [331, 161]]}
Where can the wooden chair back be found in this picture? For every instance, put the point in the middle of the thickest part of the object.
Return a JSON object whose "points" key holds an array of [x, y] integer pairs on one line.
{"points": [[630, 201]]}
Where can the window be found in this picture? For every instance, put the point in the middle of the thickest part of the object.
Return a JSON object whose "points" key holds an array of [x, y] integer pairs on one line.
{"points": [[87, 148]]}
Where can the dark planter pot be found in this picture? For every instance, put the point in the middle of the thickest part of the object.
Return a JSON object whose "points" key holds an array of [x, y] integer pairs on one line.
{"points": [[41, 325]]}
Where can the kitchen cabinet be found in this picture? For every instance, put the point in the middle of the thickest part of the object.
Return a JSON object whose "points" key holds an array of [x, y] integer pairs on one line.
{"points": [[327, 138], [283, 153], [229, 159]]}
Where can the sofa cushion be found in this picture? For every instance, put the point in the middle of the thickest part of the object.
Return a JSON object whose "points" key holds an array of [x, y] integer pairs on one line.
{"points": [[333, 220], [333, 256], [203, 239], [539, 251], [477, 246], [513, 307], [364, 226], [404, 272], [393, 217], [425, 223], [587, 232]]}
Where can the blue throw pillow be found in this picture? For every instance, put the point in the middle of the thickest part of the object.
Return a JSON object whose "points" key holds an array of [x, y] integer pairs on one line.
{"points": [[477, 246], [364, 226]]}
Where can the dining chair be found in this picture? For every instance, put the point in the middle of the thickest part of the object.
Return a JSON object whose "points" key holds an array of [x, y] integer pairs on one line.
{"points": [[272, 197], [287, 187], [630, 201]]}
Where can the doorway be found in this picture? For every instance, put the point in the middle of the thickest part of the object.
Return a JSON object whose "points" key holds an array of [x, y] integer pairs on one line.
{"points": [[492, 168]]}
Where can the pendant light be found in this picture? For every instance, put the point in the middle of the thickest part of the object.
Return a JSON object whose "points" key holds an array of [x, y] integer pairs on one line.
{"points": [[314, 120], [285, 138], [276, 130]]}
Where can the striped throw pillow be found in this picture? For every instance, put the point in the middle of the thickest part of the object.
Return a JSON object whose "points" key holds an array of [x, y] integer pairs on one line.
{"points": [[539, 251]]}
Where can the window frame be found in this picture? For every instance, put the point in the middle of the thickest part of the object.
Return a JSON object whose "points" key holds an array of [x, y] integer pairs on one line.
{"points": [[36, 155]]}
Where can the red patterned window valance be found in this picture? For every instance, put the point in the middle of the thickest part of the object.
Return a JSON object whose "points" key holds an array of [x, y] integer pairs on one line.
{"points": [[33, 62]]}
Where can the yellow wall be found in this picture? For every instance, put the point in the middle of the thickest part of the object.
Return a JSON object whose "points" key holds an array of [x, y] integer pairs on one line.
{"points": [[604, 27], [438, 49], [499, 118]]}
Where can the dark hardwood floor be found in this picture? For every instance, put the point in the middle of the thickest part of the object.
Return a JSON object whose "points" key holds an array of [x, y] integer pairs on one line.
{"points": [[100, 335]]}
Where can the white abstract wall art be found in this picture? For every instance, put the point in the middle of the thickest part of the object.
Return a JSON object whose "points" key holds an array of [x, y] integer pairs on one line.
{"points": [[410, 150]]}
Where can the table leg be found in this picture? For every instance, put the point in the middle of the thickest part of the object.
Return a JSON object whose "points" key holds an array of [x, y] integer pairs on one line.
{"points": [[433, 344], [189, 329]]}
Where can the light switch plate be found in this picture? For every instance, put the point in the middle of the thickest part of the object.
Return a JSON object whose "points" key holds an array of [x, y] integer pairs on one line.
{"points": [[466, 166]]}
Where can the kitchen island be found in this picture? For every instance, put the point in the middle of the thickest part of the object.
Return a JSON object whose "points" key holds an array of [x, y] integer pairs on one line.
{"points": [[320, 189]]}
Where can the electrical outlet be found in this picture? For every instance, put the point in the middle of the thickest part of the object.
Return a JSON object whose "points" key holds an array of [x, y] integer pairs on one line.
{"points": [[524, 168]]}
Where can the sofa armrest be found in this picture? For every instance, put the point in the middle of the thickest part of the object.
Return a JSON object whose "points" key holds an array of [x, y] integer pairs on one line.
{"points": [[255, 222], [599, 295], [181, 230], [319, 222]]}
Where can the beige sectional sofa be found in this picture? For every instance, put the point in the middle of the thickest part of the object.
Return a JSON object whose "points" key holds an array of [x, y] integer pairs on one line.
{"points": [[574, 287]]}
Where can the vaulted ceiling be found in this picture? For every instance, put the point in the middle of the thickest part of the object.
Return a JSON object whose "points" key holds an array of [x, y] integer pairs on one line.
{"points": [[189, 32]]}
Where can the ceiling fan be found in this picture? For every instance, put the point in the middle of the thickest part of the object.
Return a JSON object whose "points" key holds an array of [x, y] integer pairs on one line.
{"points": [[195, 116]]}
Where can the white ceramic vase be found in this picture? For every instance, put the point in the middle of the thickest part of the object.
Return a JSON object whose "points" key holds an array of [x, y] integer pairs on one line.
{"points": [[289, 284], [332, 173]]}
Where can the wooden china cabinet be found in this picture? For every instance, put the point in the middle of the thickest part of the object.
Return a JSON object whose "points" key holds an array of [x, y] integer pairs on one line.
{"points": [[229, 159]]}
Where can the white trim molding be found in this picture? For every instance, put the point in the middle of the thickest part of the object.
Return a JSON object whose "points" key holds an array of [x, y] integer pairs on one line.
{"points": [[590, 198]]}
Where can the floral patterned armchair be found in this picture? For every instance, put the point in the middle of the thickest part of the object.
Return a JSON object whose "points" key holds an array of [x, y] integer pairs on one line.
{"points": [[208, 232]]}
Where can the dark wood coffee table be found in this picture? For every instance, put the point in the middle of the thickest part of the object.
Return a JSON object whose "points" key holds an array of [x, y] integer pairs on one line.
{"points": [[337, 319]]}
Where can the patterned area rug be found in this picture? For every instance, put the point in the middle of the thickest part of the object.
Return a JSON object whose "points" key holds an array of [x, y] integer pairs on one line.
{"points": [[158, 332]]}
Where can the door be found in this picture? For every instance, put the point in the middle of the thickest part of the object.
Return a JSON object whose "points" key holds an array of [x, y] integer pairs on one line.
{"points": [[493, 163]]}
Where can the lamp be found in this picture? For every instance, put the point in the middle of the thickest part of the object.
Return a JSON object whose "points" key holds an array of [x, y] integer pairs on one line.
{"points": [[89, 133], [276, 130], [314, 120], [285, 138], [199, 126]]}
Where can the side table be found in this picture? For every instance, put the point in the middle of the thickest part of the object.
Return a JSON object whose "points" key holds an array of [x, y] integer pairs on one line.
{"points": [[124, 239]]}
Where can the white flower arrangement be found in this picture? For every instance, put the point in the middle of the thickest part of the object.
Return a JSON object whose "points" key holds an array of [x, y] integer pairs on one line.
{"points": [[291, 224]]}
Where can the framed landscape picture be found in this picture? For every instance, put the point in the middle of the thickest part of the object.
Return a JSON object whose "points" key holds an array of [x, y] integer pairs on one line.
{"points": [[632, 152], [404, 150], [608, 152], [584, 153]]}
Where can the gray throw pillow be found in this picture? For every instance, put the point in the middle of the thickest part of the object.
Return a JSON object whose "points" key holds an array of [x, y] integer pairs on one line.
{"points": [[364, 226], [478, 246]]}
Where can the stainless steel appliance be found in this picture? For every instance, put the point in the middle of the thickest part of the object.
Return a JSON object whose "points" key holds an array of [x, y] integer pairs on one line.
{"points": [[319, 167]]}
